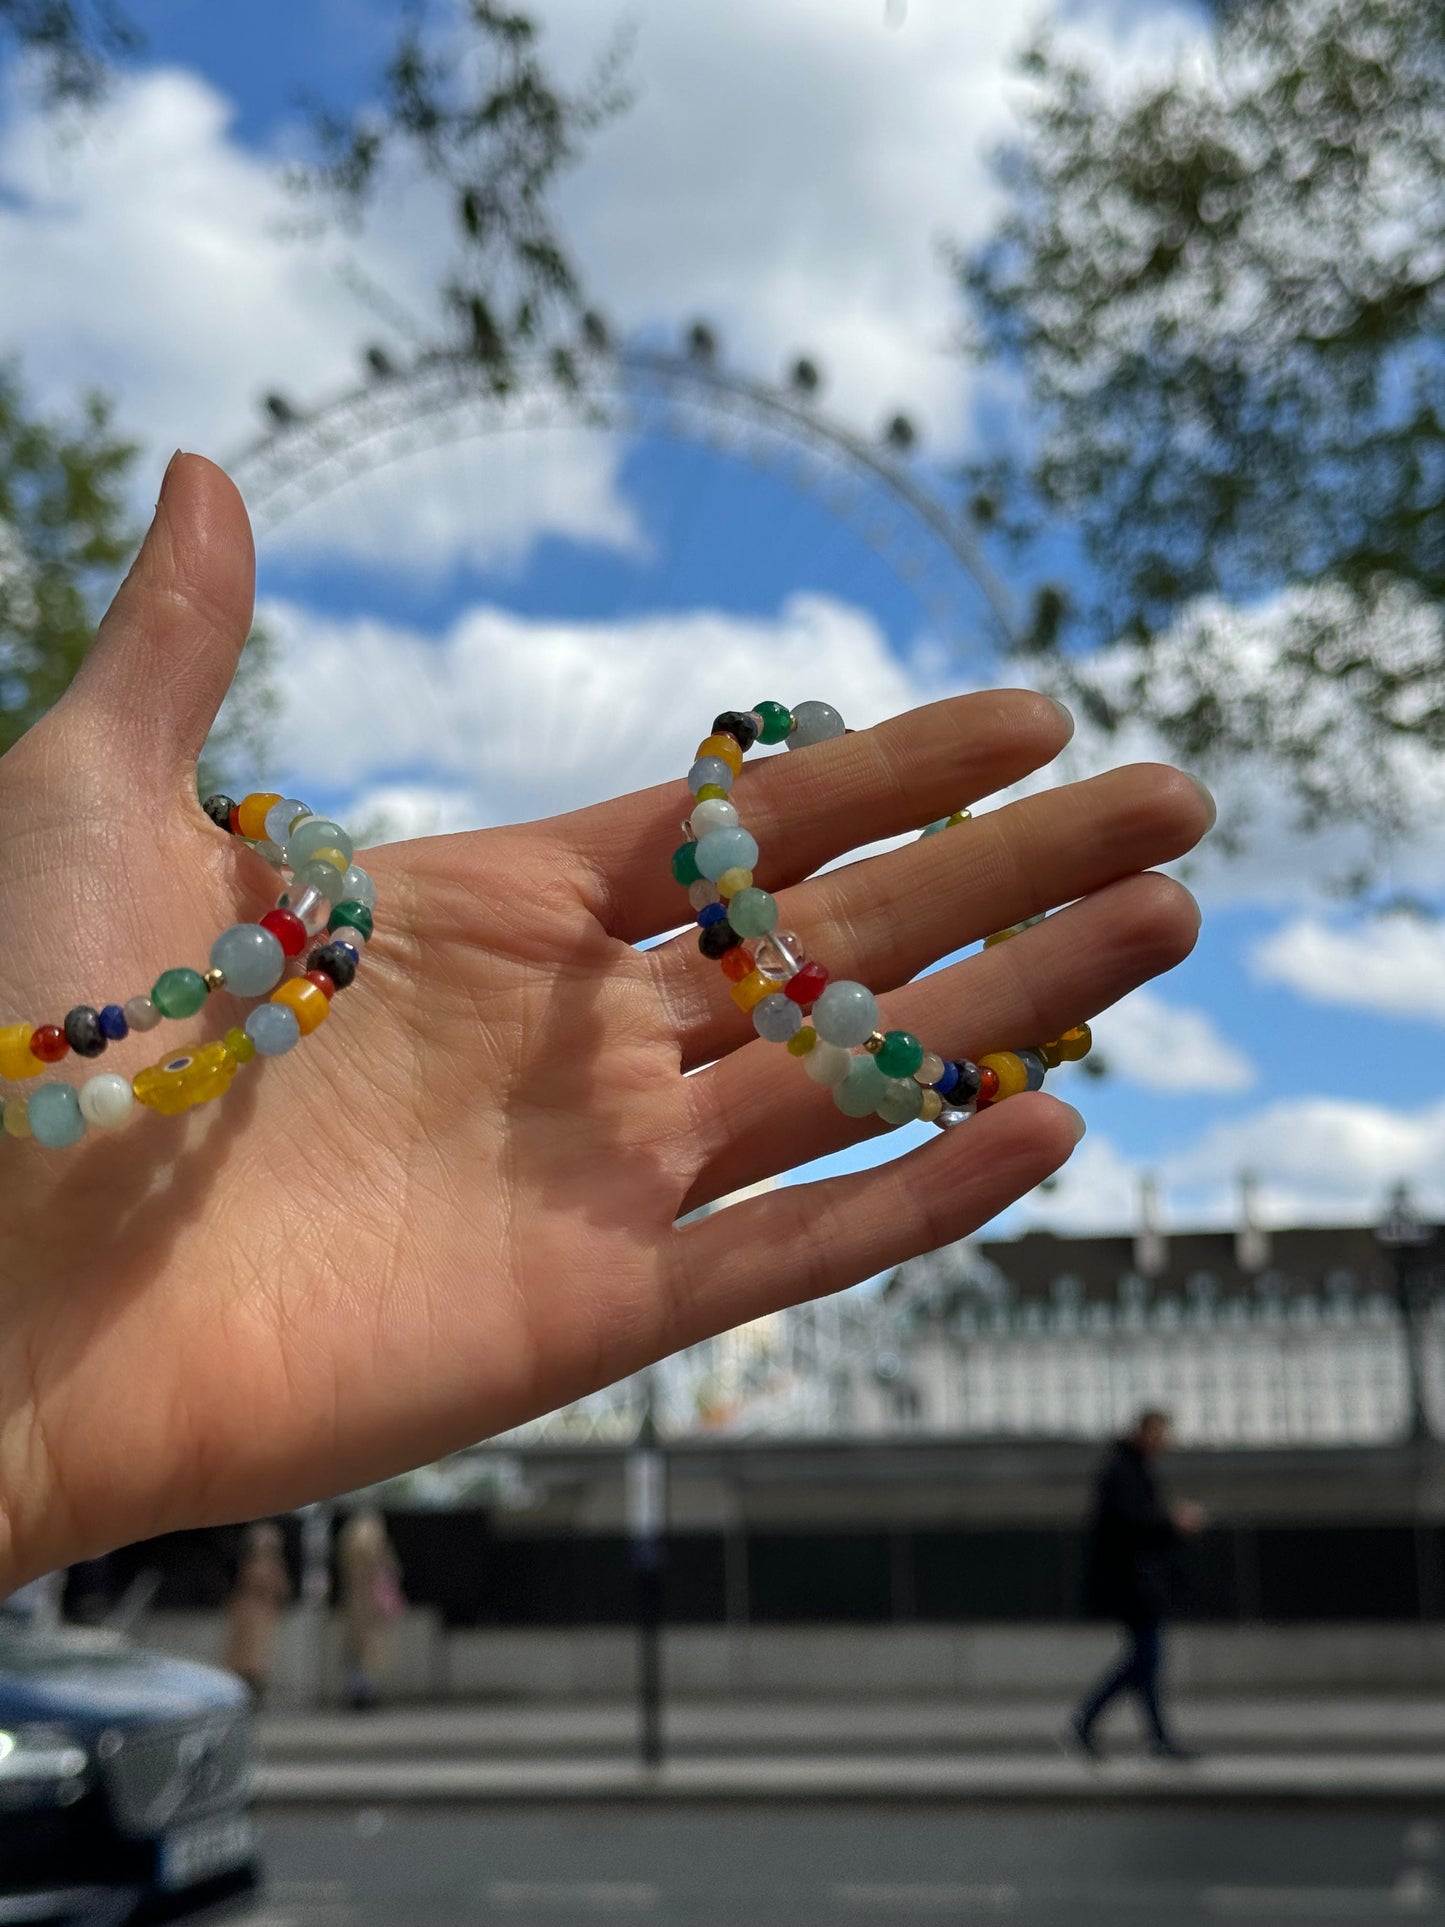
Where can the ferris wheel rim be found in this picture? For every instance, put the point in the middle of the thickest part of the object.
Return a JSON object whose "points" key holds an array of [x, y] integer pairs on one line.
{"points": [[347, 430]]}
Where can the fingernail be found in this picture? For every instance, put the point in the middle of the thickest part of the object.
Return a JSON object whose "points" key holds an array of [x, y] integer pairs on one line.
{"points": [[1076, 1118], [1208, 795], [166, 478], [1066, 713]]}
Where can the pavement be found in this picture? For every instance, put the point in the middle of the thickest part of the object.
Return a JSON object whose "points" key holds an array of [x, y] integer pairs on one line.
{"points": [[1345, 1747]]}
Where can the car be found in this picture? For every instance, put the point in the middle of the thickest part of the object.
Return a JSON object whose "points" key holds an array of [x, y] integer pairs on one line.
{"points": [[125, 1779]]}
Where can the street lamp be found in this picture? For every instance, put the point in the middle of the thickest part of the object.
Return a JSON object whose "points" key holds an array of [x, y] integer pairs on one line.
{"points": [[1403, 1235]]}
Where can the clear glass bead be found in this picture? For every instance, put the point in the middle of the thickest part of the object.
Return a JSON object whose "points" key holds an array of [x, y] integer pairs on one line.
{"points": [[312, 906], [954, 1114], [780, 954], [358, 886]]}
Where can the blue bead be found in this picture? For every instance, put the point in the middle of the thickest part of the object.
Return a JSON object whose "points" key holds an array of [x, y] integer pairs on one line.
{"points": [[273, 1029], [722, 850], [55, 1117], [344, 945], [711, 913], [112, 1024], [250, 957], [1034, 1067], [949, 1078]]}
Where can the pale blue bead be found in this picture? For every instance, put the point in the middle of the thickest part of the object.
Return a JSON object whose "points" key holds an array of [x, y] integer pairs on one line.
{"points": [[723, 850], [281, 816], [846, 1013], [251, 958], [55, 1116], [316, 833], [709, 769], [815, 723], [358, 887], [901, 1101], [324, 877], [776, 1019], [273, 1029], [859, 1093]]}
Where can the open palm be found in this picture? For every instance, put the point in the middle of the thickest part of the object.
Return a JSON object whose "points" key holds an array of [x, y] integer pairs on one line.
{"points": [[456, 1205]]}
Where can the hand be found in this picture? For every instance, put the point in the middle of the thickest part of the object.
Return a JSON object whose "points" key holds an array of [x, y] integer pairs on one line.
{"points": [[453, 1207], [1188, 1517]]}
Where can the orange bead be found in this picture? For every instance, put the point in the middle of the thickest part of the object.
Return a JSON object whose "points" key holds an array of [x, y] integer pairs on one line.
{"points": [[724, 746], [737, 962], [251, 814], [748, 994], [311, 1005]]}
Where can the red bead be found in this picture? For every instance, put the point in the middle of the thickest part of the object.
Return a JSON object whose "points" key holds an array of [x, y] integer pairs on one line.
{"points": [[236, 820], [987, 1085], [49, 1044], [288, 930], [738, 963], [322, 982], [807, 985]]}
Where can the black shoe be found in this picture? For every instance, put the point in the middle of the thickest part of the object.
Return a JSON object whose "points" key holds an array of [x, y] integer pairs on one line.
{"points": [[1077, 1738], [1172, 1751]]}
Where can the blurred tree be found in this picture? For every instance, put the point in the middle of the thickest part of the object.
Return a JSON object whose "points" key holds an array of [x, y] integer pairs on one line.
{"points": [[1223, 293], [73, 41], [483, 119], [65, 533]]}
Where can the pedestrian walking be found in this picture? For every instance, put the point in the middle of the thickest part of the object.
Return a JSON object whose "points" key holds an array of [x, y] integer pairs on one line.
{"points": [[371, 1603], [253, 1615], [1134, 1576]]}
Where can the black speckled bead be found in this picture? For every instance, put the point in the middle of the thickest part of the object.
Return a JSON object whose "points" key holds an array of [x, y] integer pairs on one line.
{"points": [[742, 728], [969, 1080], [219, 809], [338, 961], [717, 940], [83, 1032]]}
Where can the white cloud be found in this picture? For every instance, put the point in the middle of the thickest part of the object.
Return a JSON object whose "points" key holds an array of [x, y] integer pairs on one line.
{"points": [[1168, 1047], [516, 718], [1394, 965]]}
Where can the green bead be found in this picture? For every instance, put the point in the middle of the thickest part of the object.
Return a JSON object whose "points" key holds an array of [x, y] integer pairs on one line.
{"points": [[777, 721], [351, 916], [178, 993], [901, 1054], [901, 1102], [861, 1091], [752, 913], [684, 864]]}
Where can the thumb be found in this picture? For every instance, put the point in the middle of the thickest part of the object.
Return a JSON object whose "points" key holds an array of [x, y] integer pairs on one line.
{"points": [[166, 651]]}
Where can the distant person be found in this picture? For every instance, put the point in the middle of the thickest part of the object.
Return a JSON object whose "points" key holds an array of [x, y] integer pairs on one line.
{"points": [[1134, 1576], [253, 1616], [371, 1603]]}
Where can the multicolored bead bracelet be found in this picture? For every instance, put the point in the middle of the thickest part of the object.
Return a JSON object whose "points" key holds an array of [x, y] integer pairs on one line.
{"points": [[871, 1072], [326, 893]]}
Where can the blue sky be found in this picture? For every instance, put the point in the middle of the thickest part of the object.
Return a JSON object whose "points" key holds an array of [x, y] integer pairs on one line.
{"points": [[788, 170]]}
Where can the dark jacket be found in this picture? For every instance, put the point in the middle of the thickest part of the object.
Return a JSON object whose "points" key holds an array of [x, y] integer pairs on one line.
{"points": [[1132, 1565]]}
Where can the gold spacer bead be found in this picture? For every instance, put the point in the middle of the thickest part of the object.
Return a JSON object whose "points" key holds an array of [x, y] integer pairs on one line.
{"points": [[215, 979], [875, 1043]]}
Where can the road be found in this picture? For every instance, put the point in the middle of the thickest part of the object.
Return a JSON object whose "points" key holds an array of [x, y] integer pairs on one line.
{"points": [[852, 1866]]}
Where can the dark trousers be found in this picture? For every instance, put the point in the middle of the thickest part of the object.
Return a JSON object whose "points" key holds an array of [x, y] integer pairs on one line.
{"points": [[1137, 1672]]}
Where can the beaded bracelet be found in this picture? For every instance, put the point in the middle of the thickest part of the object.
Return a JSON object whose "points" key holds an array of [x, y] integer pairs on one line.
{"points": [[884, 1074], [325, 891]]}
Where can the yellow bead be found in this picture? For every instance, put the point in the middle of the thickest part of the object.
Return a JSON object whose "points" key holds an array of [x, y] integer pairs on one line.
{"points": [[724, 746], [310, 1004], [710, 790], [1009, 1070], [181, 1082], [1076, 1043], [17, 1060], [932, 1106], [251, 816], [240, 1046], [802, 1041], [17, 1117], [336, 858], [960, 816], [1000, 936], [733, 882], [752, 990]]}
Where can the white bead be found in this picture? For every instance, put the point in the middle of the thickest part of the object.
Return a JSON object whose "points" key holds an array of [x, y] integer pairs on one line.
{"points": [[715, 814], [106, 1101], [930, 1070], [827, 1063]]}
